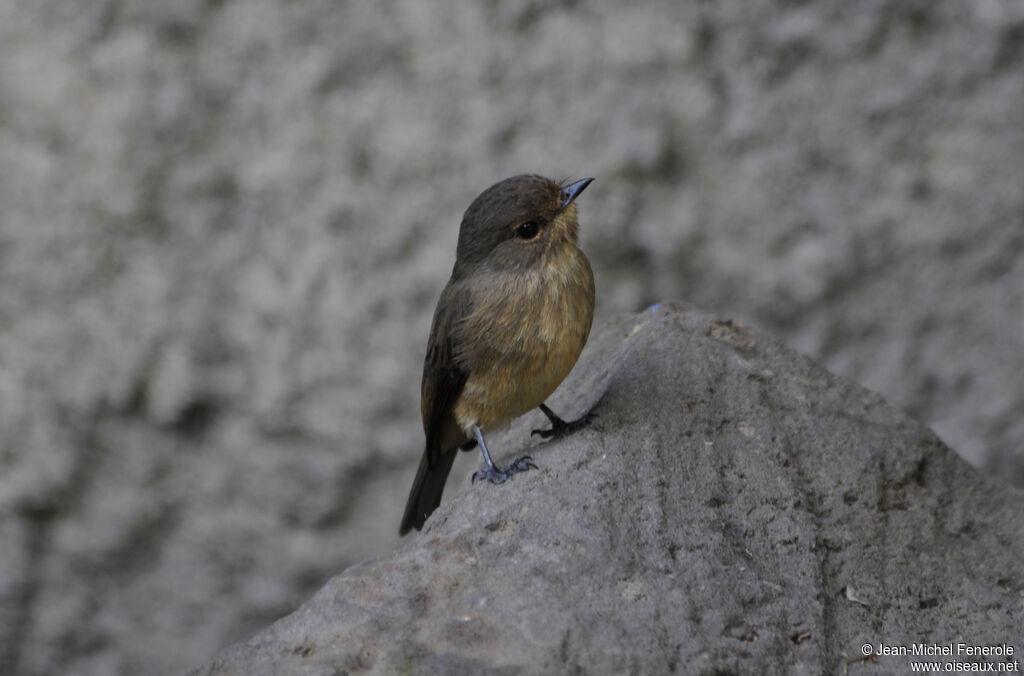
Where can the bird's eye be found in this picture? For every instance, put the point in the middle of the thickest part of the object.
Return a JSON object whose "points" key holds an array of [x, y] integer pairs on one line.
{"points": [[528, 230]]}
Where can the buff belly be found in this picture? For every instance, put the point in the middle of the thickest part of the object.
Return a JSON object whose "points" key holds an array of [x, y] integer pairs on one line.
{"points": [[526, 359]]}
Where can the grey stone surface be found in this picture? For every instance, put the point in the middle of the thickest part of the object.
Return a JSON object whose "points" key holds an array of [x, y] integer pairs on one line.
{"points": [[223, 227], [736, 509]]}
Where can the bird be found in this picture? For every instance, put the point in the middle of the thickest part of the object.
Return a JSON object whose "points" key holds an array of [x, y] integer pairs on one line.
{"points": [[508, 327]]}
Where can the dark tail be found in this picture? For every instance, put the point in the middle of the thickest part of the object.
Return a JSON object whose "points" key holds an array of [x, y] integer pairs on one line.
{"points": [[425, 495]]}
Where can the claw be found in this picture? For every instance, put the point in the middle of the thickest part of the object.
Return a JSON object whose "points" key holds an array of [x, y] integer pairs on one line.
{"points": [[524, 463], [495, 476], [500, 476]]}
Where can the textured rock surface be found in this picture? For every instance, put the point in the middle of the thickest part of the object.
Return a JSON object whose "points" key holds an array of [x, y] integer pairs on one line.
{"points": [[224, 225], [737, 509]]}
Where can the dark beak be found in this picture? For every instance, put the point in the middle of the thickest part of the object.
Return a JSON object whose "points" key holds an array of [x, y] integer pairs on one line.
{"points": [[572, 191]]}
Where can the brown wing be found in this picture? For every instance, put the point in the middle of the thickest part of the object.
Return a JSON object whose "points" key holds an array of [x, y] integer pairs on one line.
{"points": [[442, 384], [443, 379]]}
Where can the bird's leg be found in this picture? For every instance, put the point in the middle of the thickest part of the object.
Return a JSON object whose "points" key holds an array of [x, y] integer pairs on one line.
{"points": [[559, 427], [492, 473]]}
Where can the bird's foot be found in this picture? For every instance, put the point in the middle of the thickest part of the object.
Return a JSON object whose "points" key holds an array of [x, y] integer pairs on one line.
{"points": [[562, 428], [500, 476]]}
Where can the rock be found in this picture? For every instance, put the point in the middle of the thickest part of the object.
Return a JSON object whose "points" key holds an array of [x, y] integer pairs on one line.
{"points": [[735, 509]]}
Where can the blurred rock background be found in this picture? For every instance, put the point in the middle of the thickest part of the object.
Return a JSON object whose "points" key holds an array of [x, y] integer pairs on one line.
{"points": [[224, 225]]}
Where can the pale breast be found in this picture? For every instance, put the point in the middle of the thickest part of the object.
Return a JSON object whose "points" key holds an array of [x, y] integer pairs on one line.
{"points": [[522, 339]]}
